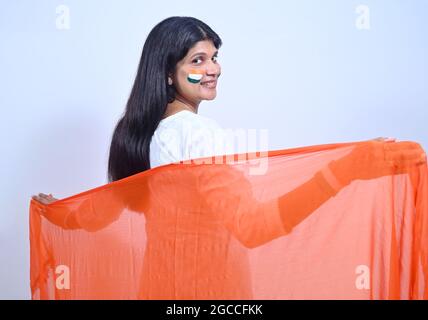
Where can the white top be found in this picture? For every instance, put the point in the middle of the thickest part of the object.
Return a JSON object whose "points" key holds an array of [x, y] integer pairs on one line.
{"points": [[187, 135]]}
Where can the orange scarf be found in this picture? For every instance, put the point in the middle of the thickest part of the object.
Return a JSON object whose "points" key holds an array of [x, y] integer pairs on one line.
{"points": [[285, 225]]}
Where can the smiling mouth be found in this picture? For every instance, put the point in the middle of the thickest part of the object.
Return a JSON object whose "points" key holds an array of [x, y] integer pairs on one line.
{"points": [[209, 84]]}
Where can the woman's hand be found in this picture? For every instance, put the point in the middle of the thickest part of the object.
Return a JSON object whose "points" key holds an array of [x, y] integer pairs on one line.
{"points": [[44, 198], [376, 158], [384, 139]]}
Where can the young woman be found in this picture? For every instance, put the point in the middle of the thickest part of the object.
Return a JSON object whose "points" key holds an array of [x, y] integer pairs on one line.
{"points": [[178, 69]]}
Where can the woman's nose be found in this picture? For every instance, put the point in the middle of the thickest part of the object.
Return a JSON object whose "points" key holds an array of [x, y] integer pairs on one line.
{"points": [[213, 69]]}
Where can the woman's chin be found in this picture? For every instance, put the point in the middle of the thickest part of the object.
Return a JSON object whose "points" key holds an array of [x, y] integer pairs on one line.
{"points": [[209, 96]]}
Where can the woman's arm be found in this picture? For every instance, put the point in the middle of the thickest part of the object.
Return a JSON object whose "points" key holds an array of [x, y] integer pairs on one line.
{"points": [[96, 211], [255, 223]]}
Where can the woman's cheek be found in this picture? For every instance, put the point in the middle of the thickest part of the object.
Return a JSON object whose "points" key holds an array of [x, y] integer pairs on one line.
{"points": [[195, 76]]}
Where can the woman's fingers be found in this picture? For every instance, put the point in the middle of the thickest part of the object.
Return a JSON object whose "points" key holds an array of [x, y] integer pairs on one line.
{"points": [[405, 155], [405, 151], [47, 197], [37, 198], [403, 145], [385, 139], [40, 199], [44, 198]]}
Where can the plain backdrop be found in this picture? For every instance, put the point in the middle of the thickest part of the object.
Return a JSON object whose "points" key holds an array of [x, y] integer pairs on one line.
{"points": [[310, 72]]}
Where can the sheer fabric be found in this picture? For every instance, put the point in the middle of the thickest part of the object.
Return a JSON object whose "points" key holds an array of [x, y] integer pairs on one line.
{"points": [[251, 226]]}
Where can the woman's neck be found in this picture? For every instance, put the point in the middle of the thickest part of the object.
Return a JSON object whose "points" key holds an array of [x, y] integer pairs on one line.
{"points": [[180, 104]]}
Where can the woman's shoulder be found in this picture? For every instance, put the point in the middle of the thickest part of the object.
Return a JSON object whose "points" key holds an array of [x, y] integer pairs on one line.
{"points": [[186, 119], [185, 135], [204, 137], [189, 126]]}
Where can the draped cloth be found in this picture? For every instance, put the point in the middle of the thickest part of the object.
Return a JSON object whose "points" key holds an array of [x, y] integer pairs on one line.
{"points": [[213, 228]]}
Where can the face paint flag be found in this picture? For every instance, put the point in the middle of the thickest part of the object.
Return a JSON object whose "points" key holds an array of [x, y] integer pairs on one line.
{"points": [[194, 76], [333, 221]]}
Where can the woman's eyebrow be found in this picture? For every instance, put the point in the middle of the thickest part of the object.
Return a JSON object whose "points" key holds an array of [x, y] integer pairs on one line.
{"points": [[203, 54]]}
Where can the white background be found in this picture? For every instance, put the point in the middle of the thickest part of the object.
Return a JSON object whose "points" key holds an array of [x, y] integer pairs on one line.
{"points": [[301, 69]]}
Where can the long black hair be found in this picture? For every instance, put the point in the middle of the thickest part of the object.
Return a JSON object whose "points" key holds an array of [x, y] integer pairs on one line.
{"points": [[167, 43]]}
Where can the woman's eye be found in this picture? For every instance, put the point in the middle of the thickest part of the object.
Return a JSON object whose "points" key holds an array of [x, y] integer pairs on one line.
{"points": [[197, 59]]}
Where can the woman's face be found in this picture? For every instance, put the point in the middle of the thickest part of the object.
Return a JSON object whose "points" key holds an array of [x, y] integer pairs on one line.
{"points": [[196, 74]]}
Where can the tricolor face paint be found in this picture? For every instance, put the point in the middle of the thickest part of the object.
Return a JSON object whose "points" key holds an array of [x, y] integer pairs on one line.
{"points": [[195, 76]]}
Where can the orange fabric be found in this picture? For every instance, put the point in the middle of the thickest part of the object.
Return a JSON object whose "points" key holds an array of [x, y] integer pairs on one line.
{"points": [[335, 221]]}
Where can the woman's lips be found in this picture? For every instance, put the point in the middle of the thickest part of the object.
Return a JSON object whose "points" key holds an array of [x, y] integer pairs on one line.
{"points": [[209, 84]]}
